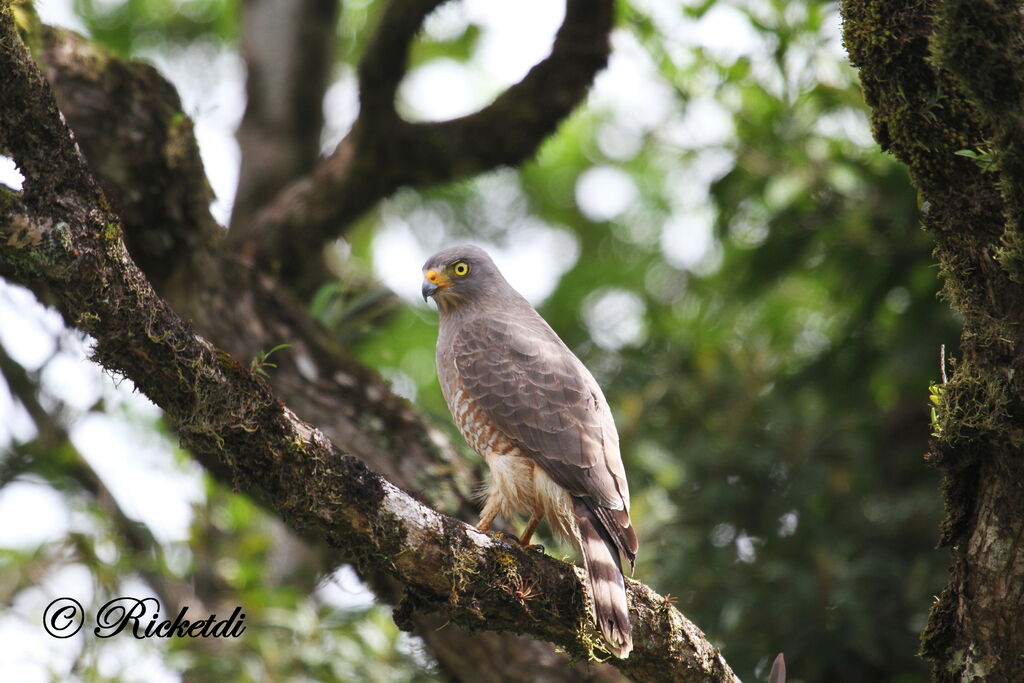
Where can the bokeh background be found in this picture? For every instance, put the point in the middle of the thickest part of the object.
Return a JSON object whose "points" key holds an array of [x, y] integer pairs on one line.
{"points": [[716, 235]]}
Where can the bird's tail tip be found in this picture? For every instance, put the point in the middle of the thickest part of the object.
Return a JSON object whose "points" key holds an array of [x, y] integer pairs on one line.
{"points": [[615, 628], [621, 648], [606, 583]]}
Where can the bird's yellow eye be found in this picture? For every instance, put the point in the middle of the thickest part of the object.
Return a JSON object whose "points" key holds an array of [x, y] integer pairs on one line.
{"points": [[461, 269]]}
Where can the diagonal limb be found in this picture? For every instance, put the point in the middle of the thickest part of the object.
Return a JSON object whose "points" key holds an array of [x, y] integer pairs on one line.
{"points": [[531, 526], [490, 511]]}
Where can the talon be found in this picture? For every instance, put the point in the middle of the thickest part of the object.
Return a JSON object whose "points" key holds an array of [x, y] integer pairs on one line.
{"points": [[506, 537], [503, 538]]}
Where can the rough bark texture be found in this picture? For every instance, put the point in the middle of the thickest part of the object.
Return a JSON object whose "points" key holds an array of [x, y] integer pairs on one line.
{"points": [[944, 84], [61, 237], [153, 141]]}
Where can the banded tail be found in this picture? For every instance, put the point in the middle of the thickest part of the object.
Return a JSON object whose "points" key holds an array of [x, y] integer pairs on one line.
{"points": [[600, 552]]}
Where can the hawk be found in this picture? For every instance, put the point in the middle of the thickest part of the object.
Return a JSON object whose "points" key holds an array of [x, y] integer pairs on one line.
{"points": [[533, 411]]}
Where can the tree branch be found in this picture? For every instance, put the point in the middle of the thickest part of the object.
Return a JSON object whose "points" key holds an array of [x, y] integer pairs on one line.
{"points": [[288, 50], [383, 65], [383, 152], [53, 436], [242, 311], [65, 239], [142, 150]]}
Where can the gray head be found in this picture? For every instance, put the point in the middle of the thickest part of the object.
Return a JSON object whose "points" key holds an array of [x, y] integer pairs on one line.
{"points": [[462, 276]]}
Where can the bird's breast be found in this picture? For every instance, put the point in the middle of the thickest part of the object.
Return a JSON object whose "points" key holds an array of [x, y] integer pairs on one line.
{"points": [[477, 429]]}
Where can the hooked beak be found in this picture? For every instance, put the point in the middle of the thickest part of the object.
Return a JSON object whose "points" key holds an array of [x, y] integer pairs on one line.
{"points": [[428, 290], [434, 280]]}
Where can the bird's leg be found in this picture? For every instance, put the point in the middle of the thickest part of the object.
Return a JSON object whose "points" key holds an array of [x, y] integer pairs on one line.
{"points": [[531, 526], [490, 511]]}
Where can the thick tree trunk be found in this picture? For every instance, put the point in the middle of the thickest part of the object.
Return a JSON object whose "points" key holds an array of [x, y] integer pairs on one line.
{"points": [[945, 84]]}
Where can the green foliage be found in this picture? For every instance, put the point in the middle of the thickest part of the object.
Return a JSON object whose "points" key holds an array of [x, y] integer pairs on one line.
{"points": [[762, 316], [262, 360], [459, 48], [935, 392], [127, 27], [983, 158]]}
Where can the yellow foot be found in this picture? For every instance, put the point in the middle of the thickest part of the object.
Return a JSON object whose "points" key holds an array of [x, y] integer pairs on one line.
{"points": [[512, 537]]}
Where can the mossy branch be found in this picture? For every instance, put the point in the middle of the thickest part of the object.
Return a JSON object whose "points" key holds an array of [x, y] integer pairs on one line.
{"points": [[57, 236], [158, 188], [222, 410]]}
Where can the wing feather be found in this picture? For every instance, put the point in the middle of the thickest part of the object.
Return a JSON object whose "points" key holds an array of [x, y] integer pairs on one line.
{"points": [[535, 390]]}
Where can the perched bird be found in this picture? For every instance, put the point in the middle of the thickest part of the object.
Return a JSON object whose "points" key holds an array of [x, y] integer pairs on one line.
{"points": [[533, 411]]}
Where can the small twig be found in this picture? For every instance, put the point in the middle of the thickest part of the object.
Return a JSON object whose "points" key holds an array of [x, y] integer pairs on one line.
{"points": [[942, 362]]}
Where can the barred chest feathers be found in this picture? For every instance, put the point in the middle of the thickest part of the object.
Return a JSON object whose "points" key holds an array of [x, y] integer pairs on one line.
{"points": [[517, 483]]}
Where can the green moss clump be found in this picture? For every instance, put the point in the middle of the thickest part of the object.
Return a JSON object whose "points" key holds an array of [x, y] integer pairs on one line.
{"points": [[975, 407], [1010, 255]]}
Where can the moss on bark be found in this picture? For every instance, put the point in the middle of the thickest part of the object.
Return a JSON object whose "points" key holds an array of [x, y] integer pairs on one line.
{"points": [[938, 77]]}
